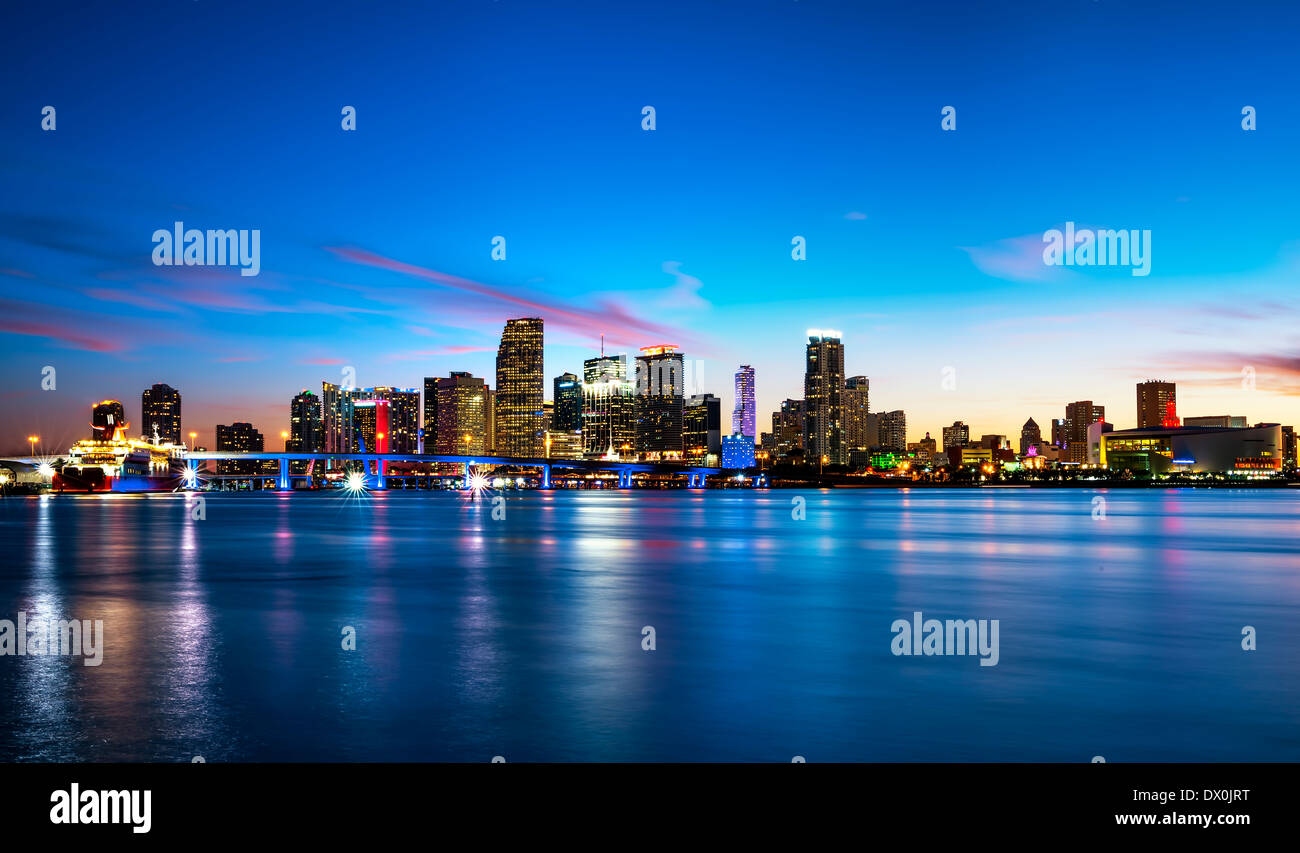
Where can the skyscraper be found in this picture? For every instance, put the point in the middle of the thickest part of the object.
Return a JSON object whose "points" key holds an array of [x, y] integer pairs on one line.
{"points": [[823, 387], [957, 435], [370, 424], [1029, 434], [403, 432], [893, 431], [742, 414], [702, 429], [857, 405], [787, 427], [160, 409], [1058, 432], [520, 389], [1156, 404], [1078, 417], [567, 415], [460, 426], [305, 428], [608, 407], [336, 418], [659, 399], [241, 437]]}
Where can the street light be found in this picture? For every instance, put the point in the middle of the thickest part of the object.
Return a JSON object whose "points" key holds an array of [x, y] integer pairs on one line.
{"points": [[193, 436], [32, 439], [285, 435]]}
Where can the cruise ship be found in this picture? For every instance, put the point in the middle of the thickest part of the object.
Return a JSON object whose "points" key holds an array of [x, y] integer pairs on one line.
{"points": [[111, 462]]}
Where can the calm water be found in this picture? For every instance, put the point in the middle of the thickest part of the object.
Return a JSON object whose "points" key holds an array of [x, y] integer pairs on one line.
{"points": [[521, 637]]}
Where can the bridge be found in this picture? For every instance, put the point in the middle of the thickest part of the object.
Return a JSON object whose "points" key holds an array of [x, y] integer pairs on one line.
{"points": [[375, 466]]}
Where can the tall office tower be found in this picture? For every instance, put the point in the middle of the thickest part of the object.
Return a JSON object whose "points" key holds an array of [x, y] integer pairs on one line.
{"points": [[957, 435], [371, 419], [1029, 434], [160, 409], [857, 405], [659, 400], [567, 414], [460, 418], [403, 432], [306, 433], [1157, 404], [787, 427], [520, 389], [1058, 432], [1288, 447], [871, 431], [702, 429], [1078, 417], [241, 437], [893, 431], [108, 421], [743, 420], [492, 421], [608, 407], [336, 418], [823, 390], [429, 416]]}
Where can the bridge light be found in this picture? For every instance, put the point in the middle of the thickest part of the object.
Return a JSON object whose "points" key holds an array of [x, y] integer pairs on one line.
{"points": [[356, 482]]}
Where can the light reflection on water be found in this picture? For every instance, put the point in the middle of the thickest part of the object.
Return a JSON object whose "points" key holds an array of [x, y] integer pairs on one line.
{"points": [[522, 637]]}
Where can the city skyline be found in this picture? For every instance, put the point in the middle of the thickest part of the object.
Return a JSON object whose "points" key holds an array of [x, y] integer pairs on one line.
{"points": [[923, 246]]}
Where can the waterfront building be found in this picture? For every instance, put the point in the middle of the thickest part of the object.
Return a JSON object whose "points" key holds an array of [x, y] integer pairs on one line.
{"points": [[306, 433], [1078, 416], [460, 414], [1247, 452], [160, 414], [702, 429], [608, 407], [1156, 404], [660, 378], [957, 435], [564, 444], [520, 389], [743, 420], [823, 397], [893, 431], [787, 427], [857, 405], [737, 451], [336, 418], [1029, 434], [403, 430], [567, 413], [240, 437], [371, 418]]}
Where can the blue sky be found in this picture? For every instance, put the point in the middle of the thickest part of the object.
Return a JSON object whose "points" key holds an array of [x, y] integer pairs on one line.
{"points": [[774, 119]]}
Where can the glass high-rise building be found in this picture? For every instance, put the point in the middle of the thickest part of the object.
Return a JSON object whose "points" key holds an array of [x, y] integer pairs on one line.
{"points": [[566, 415], [787, 427], [160, 410], [957, 435], [1157, 404], [893, 431], [660, 377], [608, 407], [336, 418], [743, 412], [306, 432], [461, 416], [520, 389], [403, 430], [823, 390], [1078, 417]]}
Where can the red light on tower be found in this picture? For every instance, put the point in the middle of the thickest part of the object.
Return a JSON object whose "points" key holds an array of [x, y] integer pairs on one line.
{"points": [[1171, 415]]}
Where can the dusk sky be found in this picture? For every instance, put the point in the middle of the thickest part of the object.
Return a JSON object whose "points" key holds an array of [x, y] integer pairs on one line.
{"points": [[773, 119]]}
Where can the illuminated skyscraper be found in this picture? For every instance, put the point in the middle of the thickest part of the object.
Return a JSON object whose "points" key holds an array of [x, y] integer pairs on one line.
{"points": [[336, 418], [659, 399], [857, 405], [957, 435], [787, 427], [823, 388], [520, 389], [241, 437], [461, 404], [742, 414], [702, 429], [403, 432], [608, 407], [893, 431], [1029, 434], [370, 424], [306, 434], [1078, 417], [567, 414], [160, 408], [1156, 404]]}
